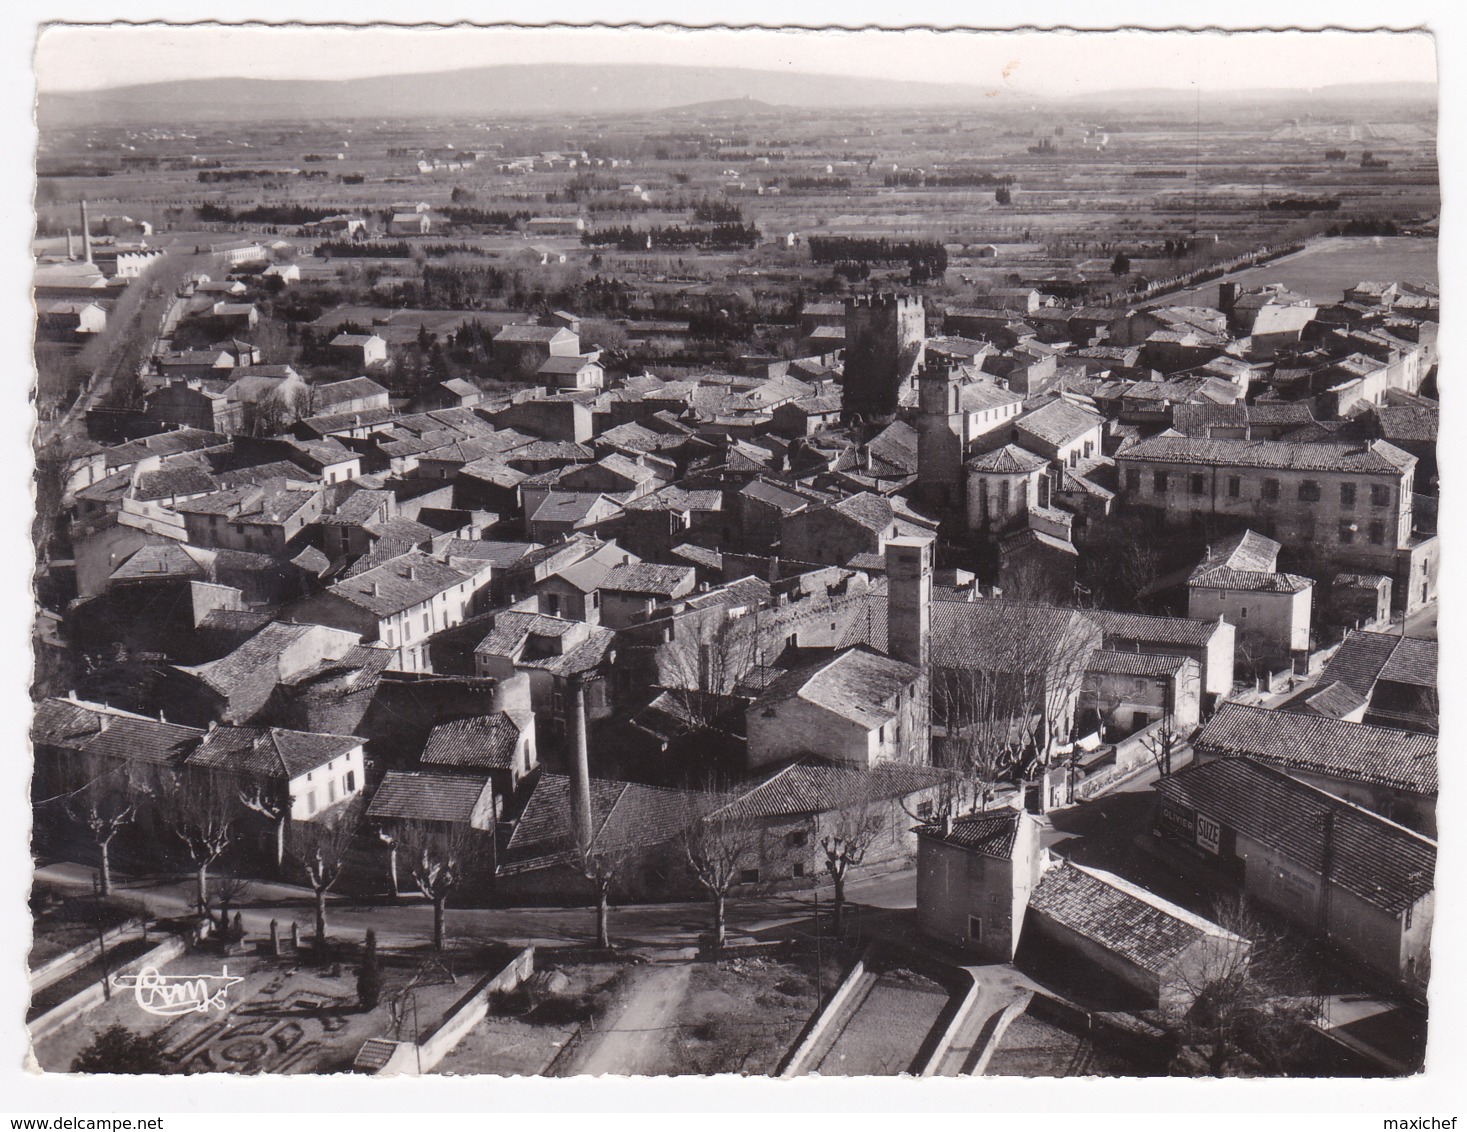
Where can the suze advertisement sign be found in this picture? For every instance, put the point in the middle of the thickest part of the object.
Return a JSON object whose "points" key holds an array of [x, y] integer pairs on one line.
{"points": [[1209, 834]]}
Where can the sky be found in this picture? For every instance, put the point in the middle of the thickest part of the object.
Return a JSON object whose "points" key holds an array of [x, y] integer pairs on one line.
{"points": [[86, 57]]}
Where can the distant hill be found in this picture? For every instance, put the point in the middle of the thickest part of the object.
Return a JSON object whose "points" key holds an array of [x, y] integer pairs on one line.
{"points": [[1340, 92], [726, 107], [502, 91]]}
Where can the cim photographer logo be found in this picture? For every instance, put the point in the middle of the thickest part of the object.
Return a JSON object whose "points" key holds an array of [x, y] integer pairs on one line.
{"points": [[169, 995]]}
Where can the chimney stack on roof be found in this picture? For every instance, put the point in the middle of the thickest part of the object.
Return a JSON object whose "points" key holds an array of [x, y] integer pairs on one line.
{"points": [[86, 233]]}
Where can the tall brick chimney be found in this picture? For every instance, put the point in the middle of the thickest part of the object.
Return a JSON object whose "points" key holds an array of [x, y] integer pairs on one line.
{"points": [[86, 234], [580, 768]]}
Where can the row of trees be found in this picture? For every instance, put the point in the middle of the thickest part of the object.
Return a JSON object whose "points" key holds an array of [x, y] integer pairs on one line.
{"points": [[714, 237]]}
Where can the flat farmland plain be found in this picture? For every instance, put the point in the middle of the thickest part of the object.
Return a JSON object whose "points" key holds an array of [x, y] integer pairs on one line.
{"points": [[1325, 268]]}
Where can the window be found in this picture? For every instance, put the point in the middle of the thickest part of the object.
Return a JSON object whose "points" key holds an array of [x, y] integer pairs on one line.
{"points": [[1133, 480], [1245, 612], [881, 734], [748, 876], [1347, 532], [1198, 483], [975, 929], [1380, 495], [1309, 491], [798, 871], [310, 801], [1158, 482], [1377, 532], [331, 792], [552, 604], [924, 809], [1235, 487], [799, 839], [428, 622], [351, 782], [1347, 495], [1271, 491], [557, 703], [1409, 910]]}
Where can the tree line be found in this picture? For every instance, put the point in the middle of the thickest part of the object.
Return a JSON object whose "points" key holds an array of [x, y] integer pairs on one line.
{"points": [[714, 237]]}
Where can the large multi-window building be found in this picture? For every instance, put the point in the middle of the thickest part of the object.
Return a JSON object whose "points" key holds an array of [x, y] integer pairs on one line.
{"points": [[1344, 501]]}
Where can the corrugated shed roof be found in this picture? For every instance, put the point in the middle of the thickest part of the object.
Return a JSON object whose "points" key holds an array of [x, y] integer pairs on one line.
{"points": [[1384, 864]]}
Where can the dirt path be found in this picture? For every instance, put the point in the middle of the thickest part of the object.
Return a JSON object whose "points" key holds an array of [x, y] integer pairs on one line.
{"points": [[631, 1041]]}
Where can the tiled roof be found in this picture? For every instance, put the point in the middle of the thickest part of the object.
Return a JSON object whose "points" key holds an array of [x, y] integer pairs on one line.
{"points": [[399, 584], [168, 560], [1384, 864], [1059, 422], [1103, 661], [649, 578], [1006, 636], [1125, 920], [60, 722], [173, 480], [1008, 460], [1160, 630], [255, 665], [811, 786], [482, 742], [141, 740], [359, 507], [1324, 456], [989, 834], [517, 332], [855, 685], [1363, 658], [1250, 581], [270, 751], [415, 796], [623, 815], [1334, 701], [1413, 662], [1246, 551]]}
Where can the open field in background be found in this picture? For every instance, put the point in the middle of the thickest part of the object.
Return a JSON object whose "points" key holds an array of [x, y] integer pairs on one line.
{"points": [[1323, 270]]}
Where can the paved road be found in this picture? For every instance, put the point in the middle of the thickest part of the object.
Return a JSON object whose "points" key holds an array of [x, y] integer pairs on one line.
{"points": [[409, 922], [631, 1044]]}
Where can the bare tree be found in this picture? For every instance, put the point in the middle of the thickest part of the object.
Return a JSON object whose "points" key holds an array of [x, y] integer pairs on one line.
{"points": [[718, 849], [709, 657], [1011, 702], [1165, 743], [438, 856], [202, 810], [1249, 1004], [854, 828], [104, 798], [273, 804], [321, 849]]}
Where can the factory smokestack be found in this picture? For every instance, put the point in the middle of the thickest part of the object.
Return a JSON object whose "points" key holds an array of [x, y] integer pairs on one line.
{"points": [[86, 234], [70, 245], [580, 768]]}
